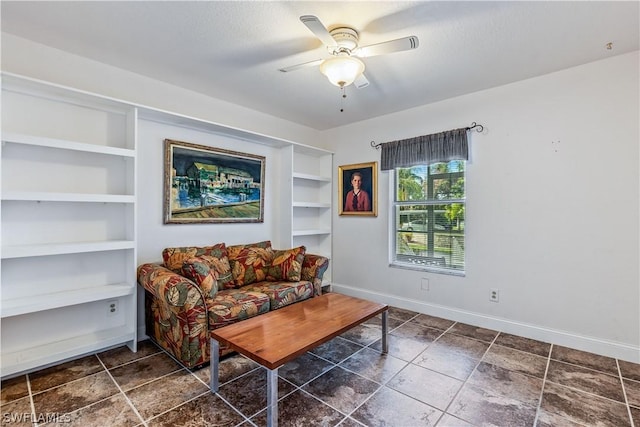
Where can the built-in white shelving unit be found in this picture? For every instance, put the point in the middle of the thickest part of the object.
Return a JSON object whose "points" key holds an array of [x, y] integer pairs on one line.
{"points": [[68, 253], [69, 215], [311, 201]]}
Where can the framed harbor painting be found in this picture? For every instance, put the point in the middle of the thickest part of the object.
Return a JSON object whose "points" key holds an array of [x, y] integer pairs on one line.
{"points": [[204, 184]]}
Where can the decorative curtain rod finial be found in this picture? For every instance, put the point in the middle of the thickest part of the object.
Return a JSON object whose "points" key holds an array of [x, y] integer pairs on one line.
{"points": [[474, 125], [376, 146]]}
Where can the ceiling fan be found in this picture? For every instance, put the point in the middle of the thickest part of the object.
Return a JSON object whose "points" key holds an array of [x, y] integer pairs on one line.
{"points": [[343, 67]]}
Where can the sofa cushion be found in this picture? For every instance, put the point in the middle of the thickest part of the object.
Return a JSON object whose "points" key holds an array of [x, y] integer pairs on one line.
{"points": [[234, 250], [232, 305], [248, 262], [220, 261], [282, 293], [286, 265], [203, 270], [174, 258]]}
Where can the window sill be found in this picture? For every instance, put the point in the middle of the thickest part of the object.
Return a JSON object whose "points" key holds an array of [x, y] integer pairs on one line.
{"points": [[427, 268]]}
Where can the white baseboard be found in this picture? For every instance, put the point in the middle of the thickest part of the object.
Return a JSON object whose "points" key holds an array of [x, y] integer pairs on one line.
{"points": [[617, 350]]}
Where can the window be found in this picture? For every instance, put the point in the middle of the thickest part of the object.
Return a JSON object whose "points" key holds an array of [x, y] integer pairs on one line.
{"points": [[429, 210]]}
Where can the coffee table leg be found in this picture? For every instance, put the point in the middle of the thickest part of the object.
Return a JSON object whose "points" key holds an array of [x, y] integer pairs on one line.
{"points": [[214, 365], [272, 397], [385, 330]]}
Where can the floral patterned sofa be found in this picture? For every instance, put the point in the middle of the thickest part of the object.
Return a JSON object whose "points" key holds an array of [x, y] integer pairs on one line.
{"points": [[198, 289]]}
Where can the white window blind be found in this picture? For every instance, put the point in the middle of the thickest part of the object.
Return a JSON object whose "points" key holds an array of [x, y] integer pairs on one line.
{"points": [[429, 207]]}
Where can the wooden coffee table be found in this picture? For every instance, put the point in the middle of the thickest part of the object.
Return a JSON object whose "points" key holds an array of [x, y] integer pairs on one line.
{"points": [[277, 337]]}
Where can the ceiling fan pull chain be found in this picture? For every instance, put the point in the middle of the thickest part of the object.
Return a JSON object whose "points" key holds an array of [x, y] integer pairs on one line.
{"points": [[344, 95]]}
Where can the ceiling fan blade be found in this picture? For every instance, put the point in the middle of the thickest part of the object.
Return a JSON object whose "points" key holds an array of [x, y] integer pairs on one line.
{"points": [[318, 28], [391, 46], [298, 66], [361, 82]]}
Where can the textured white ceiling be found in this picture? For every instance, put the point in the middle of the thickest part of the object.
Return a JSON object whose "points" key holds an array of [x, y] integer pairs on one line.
{"points": [[232, 50]]}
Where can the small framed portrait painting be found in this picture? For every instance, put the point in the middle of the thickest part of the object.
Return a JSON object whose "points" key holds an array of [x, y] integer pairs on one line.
{"points": [[358, 189]]}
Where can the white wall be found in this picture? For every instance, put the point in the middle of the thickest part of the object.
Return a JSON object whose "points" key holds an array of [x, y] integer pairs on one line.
{"points": [[552, 210], [34, 60]]}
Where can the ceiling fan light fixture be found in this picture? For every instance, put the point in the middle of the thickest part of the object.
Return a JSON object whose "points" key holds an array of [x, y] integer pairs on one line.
{"points": [[342, 70]]}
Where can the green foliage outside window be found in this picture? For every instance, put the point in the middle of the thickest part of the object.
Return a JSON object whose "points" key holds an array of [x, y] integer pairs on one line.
{"points": [[429, 215]]}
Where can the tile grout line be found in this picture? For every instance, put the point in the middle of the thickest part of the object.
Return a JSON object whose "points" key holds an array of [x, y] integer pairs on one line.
{"points": [[624, 392], [160, 351], [410, 362], [587, 367], [69, 382], [94, 373], [581, 391], [544, 382], [158, 378], [323, 402], [262, 368], [181, 368], [296, 387], [320, 374], [129, 402], [31, 402], [82, 378], [197, 397], [242, 414], [469, 376], [226, 382], [381, 386], [341, 360], [589, 393], [338, 364], [335, 365]]}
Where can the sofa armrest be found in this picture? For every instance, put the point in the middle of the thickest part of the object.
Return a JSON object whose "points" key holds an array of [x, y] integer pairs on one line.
{"points": [[179, 313], [313, 268]]}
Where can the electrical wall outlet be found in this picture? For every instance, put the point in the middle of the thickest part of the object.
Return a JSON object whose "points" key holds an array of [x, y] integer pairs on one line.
{"points": [[494, 295], [112, 308], [424, 284]]}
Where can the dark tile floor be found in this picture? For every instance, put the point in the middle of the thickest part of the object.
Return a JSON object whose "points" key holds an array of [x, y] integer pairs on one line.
{"points": [[437, 372]]}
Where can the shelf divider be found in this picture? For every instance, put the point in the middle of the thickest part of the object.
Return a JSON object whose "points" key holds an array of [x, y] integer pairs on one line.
{"points": [[22, 251], [31, 304]]}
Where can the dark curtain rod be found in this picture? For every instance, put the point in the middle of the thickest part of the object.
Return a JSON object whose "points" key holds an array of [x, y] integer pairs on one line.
{"points": [[474, 125]]}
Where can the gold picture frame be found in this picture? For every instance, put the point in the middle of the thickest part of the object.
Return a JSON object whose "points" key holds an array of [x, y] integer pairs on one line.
{"points": [[203, 184], [365, 202]]}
